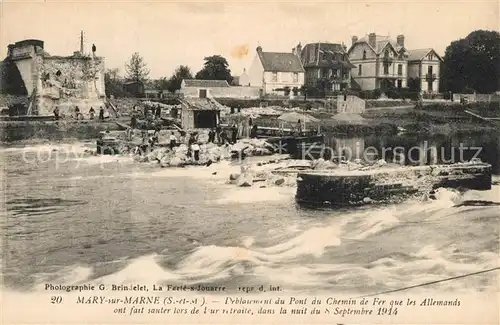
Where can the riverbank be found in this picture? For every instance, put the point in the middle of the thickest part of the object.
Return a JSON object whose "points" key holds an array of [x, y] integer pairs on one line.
{"points": [[432, 119]]}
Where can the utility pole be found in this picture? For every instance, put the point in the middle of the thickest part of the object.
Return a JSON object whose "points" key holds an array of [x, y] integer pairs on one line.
{"points": [[81, 42]]}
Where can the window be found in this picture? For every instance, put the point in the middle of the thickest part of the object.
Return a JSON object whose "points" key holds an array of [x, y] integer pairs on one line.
{"points": [[400, 69], [386, 54], [295, 77], [431, 57], [400, 83], [364, 55], [360, 70], [312, 57], [429, 70], [202, 93], [274, 77], [386, 68]]}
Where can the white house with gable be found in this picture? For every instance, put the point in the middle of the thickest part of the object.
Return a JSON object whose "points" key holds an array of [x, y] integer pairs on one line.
{"points": [[273, 71]]}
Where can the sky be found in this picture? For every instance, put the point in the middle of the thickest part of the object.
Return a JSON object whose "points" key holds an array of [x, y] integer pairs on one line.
{"points": [[168, 34]]}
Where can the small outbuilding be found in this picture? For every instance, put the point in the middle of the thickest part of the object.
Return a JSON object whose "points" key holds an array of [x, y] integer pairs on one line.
{"points": [[199, 113], [204, 88]]}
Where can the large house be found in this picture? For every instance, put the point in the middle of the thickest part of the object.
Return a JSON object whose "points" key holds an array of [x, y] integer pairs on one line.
{"points": [[382, 63], [326, 65], [272, 72], [379, 62], [423, 70]]}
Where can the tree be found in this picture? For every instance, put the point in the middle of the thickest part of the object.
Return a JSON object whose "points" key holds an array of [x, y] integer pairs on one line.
{"points": [[472, 63], [181, 73], [136, 69], [114, 83], [215, 68], [161, 84]]}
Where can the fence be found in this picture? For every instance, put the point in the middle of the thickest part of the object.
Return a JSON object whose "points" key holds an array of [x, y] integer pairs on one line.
{"points": [[485, 98]]}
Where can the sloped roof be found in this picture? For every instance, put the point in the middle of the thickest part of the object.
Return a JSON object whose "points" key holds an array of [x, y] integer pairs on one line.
{"points": [[419, 54], [329, 60], [198, 83], [381, 42], [202, 104], [280, 62]]}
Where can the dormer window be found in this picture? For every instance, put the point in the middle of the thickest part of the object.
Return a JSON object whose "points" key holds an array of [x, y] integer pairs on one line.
{"points": [[386, 54], [364, 54]]}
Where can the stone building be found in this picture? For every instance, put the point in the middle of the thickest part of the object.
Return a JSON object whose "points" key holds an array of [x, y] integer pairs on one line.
{"points": [[57, 81], [327, 66], [199, 113], [383, 63], [380, 62], [203, 88]]}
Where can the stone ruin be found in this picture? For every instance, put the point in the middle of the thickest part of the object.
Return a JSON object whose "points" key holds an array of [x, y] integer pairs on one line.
{"points": [[57, 81]]}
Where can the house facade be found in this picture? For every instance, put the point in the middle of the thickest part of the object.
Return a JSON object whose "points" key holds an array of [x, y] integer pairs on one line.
{"points": [[379, 62], [423, 70], [194, 88], [382, 63], [326, 66], [272, 72]]}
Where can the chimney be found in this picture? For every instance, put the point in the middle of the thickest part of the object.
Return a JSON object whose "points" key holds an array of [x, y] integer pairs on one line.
{"points": [[372, 40], [354, 39], [401, 40], [259, 49], [299, 49]]}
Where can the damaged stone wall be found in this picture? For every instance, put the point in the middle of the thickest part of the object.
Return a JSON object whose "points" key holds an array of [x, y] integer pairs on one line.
{"points": [[67, 82]]}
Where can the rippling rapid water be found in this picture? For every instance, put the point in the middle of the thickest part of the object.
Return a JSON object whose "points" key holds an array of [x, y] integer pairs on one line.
{"points": [[111, 220]]}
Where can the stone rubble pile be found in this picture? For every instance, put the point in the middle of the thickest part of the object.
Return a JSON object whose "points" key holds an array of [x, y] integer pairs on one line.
{"points": [[209, 153], [249, 176], [266, 174], [256, 111]]}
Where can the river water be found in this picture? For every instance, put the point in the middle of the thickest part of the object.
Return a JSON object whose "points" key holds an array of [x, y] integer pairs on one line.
{"points": [[73, 218]]}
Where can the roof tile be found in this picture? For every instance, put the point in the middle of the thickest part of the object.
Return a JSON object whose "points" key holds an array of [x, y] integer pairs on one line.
{"points": [[280, 62]]}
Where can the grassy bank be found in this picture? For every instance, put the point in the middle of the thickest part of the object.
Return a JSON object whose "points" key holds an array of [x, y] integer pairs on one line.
{"points": [[437, 118]]}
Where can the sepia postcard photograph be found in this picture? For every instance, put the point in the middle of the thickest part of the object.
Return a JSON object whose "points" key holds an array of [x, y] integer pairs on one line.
{"points": [[249, 162]]}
